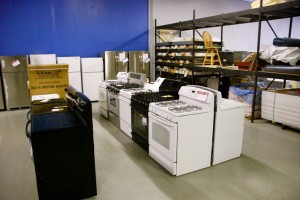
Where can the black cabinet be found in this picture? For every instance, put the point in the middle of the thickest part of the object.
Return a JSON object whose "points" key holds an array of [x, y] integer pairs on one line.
{"points": [[63, 154]]}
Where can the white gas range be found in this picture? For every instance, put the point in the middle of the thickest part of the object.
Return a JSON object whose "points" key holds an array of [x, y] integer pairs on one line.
{"points": [[181, 132], [122, 77]]}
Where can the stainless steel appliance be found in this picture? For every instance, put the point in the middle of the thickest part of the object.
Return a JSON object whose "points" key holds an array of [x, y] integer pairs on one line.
{"points": [[139, 62], [15, 77], [61, 135], [114, 62]]}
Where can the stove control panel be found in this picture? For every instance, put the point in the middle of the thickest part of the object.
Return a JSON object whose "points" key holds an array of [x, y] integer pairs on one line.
{"points": [[137, 78]]}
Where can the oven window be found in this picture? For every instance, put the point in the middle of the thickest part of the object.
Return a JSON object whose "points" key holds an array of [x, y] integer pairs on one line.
{"points": [[140, 124], [113, 101], [161, 135]]}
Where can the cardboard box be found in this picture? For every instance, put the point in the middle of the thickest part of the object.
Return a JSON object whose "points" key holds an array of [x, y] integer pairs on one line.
{"points": [[48, 79]]}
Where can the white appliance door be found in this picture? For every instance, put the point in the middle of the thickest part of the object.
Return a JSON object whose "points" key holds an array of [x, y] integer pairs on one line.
{"points": [[163, 136], [42, 59], [92, 64], [90, 84], [103, 98], [125, 109], [73, 62], [75, 80]]}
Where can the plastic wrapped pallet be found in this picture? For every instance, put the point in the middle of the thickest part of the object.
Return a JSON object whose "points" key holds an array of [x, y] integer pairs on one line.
{"points": [[244, 93], [282, 106]]}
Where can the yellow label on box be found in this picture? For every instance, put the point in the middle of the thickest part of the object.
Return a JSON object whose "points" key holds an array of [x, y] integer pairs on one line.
{"points": [[48, 79]]}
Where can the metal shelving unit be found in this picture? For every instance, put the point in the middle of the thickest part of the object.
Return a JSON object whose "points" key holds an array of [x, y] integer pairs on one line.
{"points": [[279, 11]]}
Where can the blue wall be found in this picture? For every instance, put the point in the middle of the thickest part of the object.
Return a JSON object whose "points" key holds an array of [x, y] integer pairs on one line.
{"points": [[72, 27]]}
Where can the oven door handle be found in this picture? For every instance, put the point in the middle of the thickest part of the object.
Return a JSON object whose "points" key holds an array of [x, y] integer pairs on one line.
{"points": [[28, 133], [162, 120]]}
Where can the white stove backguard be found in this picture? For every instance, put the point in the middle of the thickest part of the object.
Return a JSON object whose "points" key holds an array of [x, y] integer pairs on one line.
{"points": [[154, 86], [198, 97], [122, 77], [137, 78], [218, 94]]}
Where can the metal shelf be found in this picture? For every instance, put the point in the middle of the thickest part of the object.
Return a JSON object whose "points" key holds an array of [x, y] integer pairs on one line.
{"points": [[285, 76], [179, 58], [189, 66], [178, 43], [160, 44], [237, 72], [279, 11], [179, 50]]}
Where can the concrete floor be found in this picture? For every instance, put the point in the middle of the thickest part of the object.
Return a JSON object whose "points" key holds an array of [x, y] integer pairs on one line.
{"points": [[268, 169]]}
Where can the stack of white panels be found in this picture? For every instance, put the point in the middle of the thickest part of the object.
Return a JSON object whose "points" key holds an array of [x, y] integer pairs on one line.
{"points": [[42, 59], [74, 70], [282, 106], [92, 73]]}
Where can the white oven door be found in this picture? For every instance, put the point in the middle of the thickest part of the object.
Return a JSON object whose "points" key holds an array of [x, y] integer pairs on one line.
{"points": [[163, 136], [125, 109], [103, 98]]}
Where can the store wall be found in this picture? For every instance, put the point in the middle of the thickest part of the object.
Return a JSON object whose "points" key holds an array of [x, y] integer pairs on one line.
{"points": [[237, 37], [72, 27]]}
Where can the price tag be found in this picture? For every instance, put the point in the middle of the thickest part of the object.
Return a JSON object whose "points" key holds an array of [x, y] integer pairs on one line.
{"points": [[15, 63], [122, 57], [147, 60], [125, 60]]}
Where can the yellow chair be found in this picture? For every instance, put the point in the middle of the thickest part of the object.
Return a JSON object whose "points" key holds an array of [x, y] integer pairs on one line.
{"points": [[212, 55]]}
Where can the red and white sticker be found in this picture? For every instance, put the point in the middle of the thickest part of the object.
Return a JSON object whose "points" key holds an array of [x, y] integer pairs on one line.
{"points": [[201, 95]]}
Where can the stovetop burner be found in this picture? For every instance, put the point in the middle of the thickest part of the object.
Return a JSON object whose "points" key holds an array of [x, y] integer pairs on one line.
{"points": [[170, 103], [116, 86], [143, 99], [182, 109]]}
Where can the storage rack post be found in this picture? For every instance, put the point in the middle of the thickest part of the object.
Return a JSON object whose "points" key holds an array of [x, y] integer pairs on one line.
{"points": [[256, 65], [193, 49]]}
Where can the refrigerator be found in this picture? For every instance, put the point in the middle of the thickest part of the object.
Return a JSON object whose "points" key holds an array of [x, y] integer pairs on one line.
{"points": [[114, 62], [139, 62], [74, 70], [15, 77], [92, 73], [42, 59]]}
